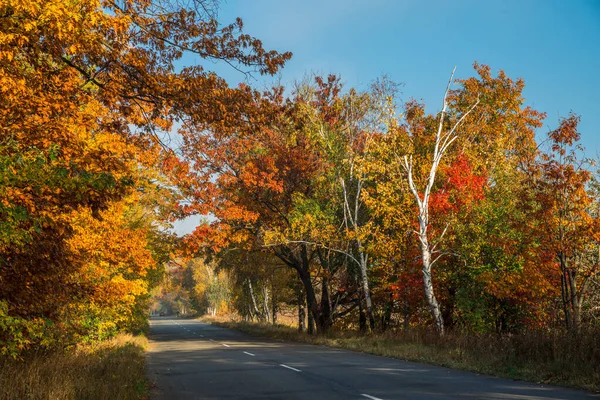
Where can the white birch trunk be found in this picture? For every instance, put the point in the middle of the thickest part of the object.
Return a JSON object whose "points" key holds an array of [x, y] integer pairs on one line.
{"points": [[365, 283], [351, 221], [432, 302], [266, 312], [253, 298]]}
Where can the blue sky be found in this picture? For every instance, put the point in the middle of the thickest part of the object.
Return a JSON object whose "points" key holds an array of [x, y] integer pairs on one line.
{"points": [[553, 45]]}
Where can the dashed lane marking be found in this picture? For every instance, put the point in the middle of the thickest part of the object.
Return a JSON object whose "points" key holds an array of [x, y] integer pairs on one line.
{"points": [[250, 354], [288, 367], [370, 397]]}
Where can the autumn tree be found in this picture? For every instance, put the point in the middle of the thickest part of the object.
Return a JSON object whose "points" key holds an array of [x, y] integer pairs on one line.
{"points": [[87, 89], [567, 224], [263, 181], [447, 163], [343, 124], [444, 137], [259, 175]]}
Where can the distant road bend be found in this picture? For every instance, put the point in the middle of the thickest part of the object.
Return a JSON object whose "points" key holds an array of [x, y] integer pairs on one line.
{"points": [[192, 360]]}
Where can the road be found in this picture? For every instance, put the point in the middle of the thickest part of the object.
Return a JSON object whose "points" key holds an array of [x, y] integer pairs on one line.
{"points": [[191, 360]]}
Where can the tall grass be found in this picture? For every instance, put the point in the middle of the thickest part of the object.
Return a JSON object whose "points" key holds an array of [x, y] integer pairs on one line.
{"points": [[550, 357], [111, 370]]}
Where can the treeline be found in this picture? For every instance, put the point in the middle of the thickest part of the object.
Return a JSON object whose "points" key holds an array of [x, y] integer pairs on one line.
{"points": [[350, 206], [88, 90], [375, 215]]}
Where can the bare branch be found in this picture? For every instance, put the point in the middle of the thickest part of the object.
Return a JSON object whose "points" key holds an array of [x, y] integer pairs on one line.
{"points": [[315, 244], [440, 238]]}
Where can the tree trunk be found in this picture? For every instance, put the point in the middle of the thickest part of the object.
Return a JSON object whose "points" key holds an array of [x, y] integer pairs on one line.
{"points": [[301, 313], [565, 298], [266, 311], [574, 299], [274, 307], [406, 321], [351, 218], [362, 318], [387, 316], [301, 263], [311, 299], [432, 302], [324, 322], [311, 322], [311, 302], [570, 299], [365, 289], [254, 304]]}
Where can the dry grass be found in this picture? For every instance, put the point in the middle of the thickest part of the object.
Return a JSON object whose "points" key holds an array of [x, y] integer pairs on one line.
{"points": [[545, 357], [112, 370]]}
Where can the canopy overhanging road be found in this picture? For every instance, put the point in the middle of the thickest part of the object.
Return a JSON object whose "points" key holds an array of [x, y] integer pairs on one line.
{"points": [[192, 360]]}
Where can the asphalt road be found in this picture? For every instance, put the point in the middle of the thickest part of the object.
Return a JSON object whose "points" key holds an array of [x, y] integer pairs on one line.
{"points": [[191, 360]]}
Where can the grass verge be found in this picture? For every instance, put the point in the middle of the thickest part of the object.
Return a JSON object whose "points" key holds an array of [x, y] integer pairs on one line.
{"points": [[542, 357], [114, 369]]}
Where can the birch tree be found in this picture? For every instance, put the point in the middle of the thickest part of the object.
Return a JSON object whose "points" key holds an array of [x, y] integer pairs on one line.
{"points": [[344, 125], [445, 136]]}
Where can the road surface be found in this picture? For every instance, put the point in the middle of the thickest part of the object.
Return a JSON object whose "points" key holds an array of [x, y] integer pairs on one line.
{"points": [[191, 360]]}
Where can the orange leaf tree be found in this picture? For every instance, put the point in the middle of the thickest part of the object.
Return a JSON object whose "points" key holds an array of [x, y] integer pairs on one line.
{"points": [[567, 226], [87, 88]]}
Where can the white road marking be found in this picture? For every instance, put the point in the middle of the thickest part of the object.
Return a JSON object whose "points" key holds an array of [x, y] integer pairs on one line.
{"points": [[201, 335], [226, 345], [250, 354], [288, 367], [212, 340], [370, 397]]}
